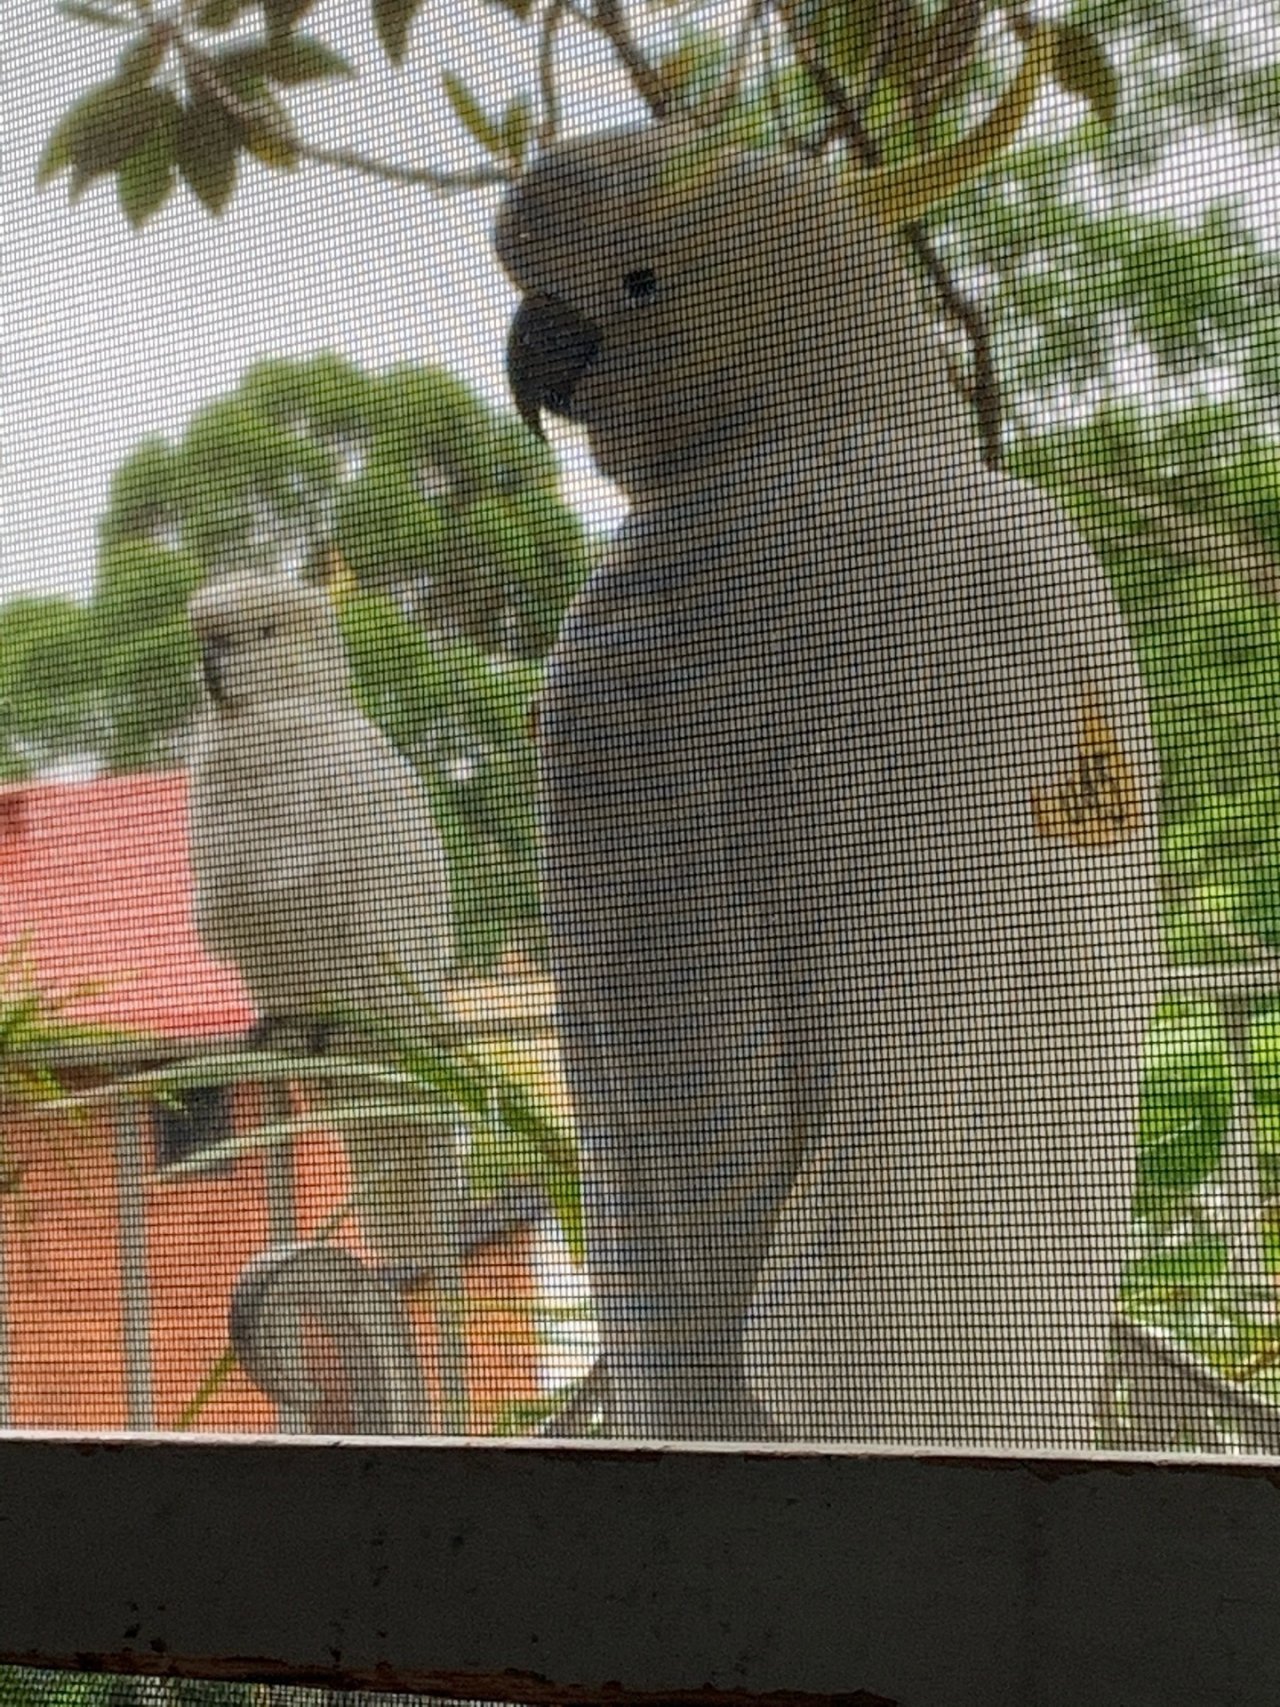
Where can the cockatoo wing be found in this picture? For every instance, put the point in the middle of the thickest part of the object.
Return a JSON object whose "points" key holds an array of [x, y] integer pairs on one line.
{"points": [[850, 824], [806, 890], [669, 858], [319, 868]]}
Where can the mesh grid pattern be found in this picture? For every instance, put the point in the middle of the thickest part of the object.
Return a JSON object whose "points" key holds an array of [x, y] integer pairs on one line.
{"points": [[680, 842]]}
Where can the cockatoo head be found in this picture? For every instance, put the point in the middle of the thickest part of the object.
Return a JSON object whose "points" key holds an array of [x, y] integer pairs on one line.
{"points": [[266, 637], [679, 296]]}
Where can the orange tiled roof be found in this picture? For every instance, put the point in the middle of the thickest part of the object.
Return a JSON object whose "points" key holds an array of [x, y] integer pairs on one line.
{"points": [[97, 872]]}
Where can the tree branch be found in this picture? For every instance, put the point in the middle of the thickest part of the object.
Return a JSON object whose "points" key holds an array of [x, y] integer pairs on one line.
{"points": [[726, 97], [254, 120], [984, 393], [429, 177], [608, 19], [550, 123]]}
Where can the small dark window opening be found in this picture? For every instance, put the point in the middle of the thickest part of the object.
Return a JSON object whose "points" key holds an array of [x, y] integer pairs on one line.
{"points": [[196, 1120]]}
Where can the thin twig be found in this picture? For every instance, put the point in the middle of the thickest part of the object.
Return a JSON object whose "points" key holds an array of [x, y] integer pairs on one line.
{"points": [[984, 393], [607, 18], [727, 97], [550, 123], [266, 123], [429, 177], [846, 121]]}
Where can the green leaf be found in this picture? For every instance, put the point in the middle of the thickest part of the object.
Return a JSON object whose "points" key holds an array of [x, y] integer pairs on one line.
{"points": [[260, 122], [142, 58], [221, 14], [57, 152], [517, 127], [145, 181], [844, 33], [207, 144], [282, 15], [272, 140], [301, 59], [102, 130], [392, 19], [1082, 68], [945, 54], [242, 69], [93, 15], [472, 114], [903, 42]]}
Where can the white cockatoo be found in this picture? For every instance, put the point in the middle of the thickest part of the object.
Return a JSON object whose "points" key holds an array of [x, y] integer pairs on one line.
{"points": [[850, 825], [321, 876]]}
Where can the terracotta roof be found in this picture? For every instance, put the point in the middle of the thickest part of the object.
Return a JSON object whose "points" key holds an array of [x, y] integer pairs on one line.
{"points": [[97, 872]]}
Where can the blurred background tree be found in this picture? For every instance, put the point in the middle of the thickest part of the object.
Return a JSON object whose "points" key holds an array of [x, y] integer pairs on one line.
{"points": [[1115, 350], [1113, 325], [455, 558]]}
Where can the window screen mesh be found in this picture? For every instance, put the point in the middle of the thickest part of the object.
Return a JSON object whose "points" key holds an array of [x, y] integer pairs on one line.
{"points": [[638, 725], [26, 1686]]}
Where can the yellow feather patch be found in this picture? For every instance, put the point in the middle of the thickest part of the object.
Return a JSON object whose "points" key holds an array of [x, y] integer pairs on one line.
{"points": [[1097, 804]]}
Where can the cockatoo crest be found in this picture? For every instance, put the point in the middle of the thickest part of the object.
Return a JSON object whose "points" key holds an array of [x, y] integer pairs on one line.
{"points": [[264, 638]]}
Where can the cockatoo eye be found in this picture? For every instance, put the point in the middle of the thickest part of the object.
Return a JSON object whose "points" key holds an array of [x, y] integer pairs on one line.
{"points": [[641, 286]]}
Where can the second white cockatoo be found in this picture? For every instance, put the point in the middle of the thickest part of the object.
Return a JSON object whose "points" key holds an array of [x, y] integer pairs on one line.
{"points": [[321, 876], [850, 817]]}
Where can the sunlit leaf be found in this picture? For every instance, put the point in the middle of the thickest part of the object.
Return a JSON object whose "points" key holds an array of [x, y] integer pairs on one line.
{"points": [[393, 19], [207, 144], [94, 15], [302, 59], [1082, 68], [145, 181], [472, 115]]}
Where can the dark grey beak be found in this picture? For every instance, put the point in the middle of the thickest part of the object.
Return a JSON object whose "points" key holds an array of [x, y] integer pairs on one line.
{"points": [[212, 654], [550, 347]]}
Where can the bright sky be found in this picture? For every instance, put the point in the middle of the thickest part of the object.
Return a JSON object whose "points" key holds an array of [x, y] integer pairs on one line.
{"points": [[111, 335]]}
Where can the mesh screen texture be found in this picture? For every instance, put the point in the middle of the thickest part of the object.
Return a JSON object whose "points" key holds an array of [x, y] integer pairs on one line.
{"points": [[638, 751], [22, 1686]]}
